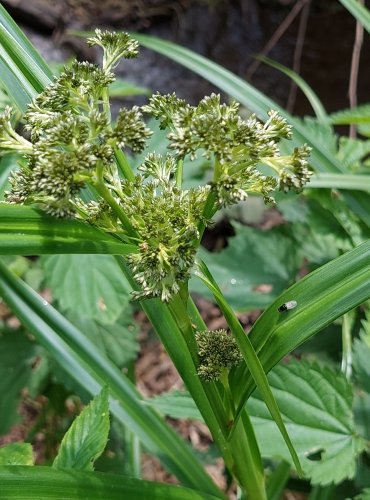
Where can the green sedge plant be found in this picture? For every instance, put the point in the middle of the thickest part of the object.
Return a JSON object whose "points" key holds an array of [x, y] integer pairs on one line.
{"points": [[84, 197]]}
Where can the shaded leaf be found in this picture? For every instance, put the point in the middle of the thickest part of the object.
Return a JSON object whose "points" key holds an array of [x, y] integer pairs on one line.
{"points": [[360, 114], [253, 269], [27, 231], [46, 483], [88, 285], [87, 437], [119, 341], [316, 404], [175, 404], [18, 366], [16, 454]]}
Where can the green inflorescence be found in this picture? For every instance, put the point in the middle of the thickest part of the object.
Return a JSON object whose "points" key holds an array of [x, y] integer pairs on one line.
{"points": [[73, 144], [218, 351]]}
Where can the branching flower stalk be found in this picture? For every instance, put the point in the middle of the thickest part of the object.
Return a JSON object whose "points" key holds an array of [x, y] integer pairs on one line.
{"points": [[73, 144]]}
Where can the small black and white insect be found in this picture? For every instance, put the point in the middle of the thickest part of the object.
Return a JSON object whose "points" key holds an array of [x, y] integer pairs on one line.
{"points": [[287, 306]]}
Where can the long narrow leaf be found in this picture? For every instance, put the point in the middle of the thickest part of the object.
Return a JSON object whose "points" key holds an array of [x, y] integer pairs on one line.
{"points": [[27, 60], [340, 181], [17, 88], [361, 13], [26, 231], [83, 361], [311, 96], [45, 483], [322, 296], [250, 357]]}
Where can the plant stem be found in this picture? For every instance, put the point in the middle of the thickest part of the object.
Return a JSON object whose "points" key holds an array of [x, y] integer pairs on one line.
{"points": [[248, 467], [105, 193], [347, 347], [123, 164], [179, 173], [277, 481]]}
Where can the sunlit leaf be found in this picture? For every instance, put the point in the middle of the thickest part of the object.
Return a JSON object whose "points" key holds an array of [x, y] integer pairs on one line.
{"points": [[87, 437], [90, 285], [16, 454]]}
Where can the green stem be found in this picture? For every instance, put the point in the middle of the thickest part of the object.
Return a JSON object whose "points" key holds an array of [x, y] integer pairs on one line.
{"points": [[123, 165], [105, 193], [208, 212], [179, 172], [278, 480], [132, 443], [205, 394], [180, 315], [347, 347], [248, 468]]}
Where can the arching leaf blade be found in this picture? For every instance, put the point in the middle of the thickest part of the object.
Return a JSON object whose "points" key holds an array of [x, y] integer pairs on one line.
{"points": [[322, 296], [46, 483], [26, 231]]}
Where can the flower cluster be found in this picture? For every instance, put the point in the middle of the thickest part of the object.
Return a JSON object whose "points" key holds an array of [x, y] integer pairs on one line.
{"points": [[72, 136], [165, 218], [217, 351], [74, 144], [240, 147]]}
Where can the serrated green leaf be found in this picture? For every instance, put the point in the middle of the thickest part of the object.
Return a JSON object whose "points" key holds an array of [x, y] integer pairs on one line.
{"points": [[175, 404], [322, 296], [361, 356], [119, 341], [254, 268], [87, 437], [46, 483], [18, 355], [360, 114], [88, 285], [364, 495], [16, 454], [316, 404], [352, 151]]}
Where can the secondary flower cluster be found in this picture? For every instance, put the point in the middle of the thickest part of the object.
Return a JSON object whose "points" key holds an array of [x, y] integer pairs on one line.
{"points": [[217, 351], [73, 144], [240, 147]]}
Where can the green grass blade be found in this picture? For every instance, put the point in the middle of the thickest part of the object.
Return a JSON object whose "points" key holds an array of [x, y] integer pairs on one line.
{"points": [[250, 357], [17, 87], [25, 58], [340, 181], [361, 13], [26, 231], [322, 296], [83, 361], [311, 96], [46, 483]]}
